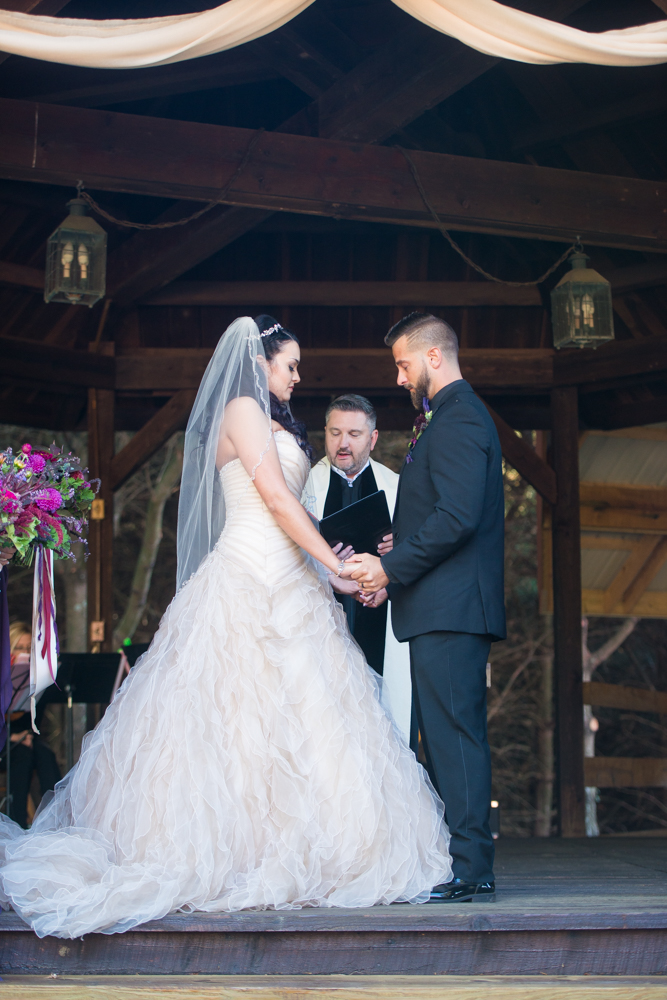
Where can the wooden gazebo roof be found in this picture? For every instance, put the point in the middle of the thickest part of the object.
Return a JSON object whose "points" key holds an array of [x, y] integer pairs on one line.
{"points": [[324, 225]]}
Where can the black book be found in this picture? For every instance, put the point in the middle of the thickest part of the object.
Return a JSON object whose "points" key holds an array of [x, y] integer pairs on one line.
{"points": [[362, 525]]}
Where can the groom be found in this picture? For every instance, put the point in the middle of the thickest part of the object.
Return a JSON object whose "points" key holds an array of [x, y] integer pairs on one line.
{"points": [[445, 579]]}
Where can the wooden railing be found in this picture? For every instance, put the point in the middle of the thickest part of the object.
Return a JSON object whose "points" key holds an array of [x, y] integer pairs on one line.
{"points": [[625, 772]]}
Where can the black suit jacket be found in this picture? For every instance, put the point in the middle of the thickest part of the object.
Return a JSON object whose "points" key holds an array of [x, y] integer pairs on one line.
{"points": [[446, 568]]}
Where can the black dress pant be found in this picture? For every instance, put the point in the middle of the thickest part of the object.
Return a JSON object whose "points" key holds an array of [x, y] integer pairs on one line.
{"points": [[449, 690], [24, 761]]}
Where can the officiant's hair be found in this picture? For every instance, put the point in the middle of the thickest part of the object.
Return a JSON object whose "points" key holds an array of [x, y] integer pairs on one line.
{"points": [[425, 330], [352, 403]]}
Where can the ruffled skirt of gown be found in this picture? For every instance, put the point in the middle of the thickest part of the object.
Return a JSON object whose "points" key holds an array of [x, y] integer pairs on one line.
{"points": [[246, 762]]}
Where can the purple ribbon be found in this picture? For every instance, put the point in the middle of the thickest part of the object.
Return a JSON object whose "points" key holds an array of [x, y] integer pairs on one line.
{"points": [[6, 690]]}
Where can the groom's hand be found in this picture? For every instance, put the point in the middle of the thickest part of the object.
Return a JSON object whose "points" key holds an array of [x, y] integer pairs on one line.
{"points": [[368, 572]]}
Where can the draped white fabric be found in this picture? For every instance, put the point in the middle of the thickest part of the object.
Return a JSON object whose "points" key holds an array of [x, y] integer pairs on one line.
{"points": [[151, 41], [484, 25], [498, 30]]}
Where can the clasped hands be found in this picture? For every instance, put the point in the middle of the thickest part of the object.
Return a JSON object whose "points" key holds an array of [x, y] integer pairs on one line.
{"points": [[366, 571]]}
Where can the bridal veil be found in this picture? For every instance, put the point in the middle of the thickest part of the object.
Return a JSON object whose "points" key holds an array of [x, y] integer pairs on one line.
{"points": [[238, 368]]}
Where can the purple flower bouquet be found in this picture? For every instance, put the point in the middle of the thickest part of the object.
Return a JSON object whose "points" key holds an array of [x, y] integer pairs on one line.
{"points": [[45, 499]]}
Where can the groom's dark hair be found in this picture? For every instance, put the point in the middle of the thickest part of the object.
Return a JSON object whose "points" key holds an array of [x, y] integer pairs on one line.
{"points": [[425, 330]]}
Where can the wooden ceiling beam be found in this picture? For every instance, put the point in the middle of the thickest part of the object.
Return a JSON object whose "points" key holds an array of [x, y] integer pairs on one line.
{"points": [[343, 293], [636, 276], [654, 563], [106, 87], [32, 360], [611, 414], [634, 563], [612, 361], [649, 499], [413, 72], [150, 260], [590, 119], [416, 84], [300, 62], [173, 416], [133, 153], [20, 274], [522, 457], [165, 369]]}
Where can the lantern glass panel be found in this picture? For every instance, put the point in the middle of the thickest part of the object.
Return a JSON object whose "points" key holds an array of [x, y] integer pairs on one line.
{"points": [[76, 258], [581, 308]]}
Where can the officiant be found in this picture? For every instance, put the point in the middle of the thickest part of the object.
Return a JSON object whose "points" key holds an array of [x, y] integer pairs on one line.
{"points": [[346, 474]]}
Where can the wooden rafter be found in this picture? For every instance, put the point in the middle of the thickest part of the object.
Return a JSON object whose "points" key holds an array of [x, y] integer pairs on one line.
{"points": [[35, 362], [344, 293], [112, 151], [629, 279], [522, 457], [21, 274], [652, 566], [412, 80], [625, 772], [155, 369], [172, 417], [650, 499], [619, 696], [416, 70], [104, 88], [634, 563]]}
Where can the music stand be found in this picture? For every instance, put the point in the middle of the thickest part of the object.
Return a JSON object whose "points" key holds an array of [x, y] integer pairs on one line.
{"points": [[84, 678]]}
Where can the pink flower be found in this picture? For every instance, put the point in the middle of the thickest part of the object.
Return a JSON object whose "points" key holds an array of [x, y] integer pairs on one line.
{"points": [[10, 502], [49, 499], [37, 463], [26, 449]]}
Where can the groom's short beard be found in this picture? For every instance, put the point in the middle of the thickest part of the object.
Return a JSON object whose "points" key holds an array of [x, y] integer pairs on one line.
{"points": [[422, 388]]}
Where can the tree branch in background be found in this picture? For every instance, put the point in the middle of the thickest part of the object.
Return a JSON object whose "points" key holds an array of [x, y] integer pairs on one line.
{"points": [[591, 661], [164, 486]]}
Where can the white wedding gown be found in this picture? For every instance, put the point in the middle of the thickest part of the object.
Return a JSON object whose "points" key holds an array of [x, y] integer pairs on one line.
{"points": [[245, 762]]}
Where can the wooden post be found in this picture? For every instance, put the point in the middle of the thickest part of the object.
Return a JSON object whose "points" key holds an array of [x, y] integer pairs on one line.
{"points": [[100, 536], [567, 614]]}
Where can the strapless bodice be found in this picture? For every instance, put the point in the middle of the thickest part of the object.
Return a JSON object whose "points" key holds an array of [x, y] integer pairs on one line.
{"points": [[251, 536]]}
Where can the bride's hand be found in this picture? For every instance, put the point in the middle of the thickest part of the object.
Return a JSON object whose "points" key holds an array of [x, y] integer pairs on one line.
{"points": [[344, 586]]}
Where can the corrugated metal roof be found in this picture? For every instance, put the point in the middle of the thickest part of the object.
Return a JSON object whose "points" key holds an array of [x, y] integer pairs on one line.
{"points": [[600, 568], [612, 458], [633, 457]]}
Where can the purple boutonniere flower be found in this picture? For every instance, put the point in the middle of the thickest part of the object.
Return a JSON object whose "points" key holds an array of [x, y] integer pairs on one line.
{"points": [[420, 425]]}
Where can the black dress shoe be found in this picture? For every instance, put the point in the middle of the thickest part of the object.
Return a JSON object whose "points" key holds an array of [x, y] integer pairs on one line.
{"points": [[460, 891]]}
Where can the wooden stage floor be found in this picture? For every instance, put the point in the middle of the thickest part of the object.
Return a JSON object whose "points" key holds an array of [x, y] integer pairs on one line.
{"points": [[565, 908]]}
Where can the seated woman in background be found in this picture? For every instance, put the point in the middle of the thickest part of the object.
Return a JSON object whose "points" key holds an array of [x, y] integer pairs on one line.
{"points": [[28, 752]]}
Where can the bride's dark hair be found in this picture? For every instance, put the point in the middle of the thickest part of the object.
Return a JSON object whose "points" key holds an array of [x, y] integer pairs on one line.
{"points": [[280, 412]]}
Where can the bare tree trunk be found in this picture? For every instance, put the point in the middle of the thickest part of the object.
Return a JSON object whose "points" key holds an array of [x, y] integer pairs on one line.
{"points": [[545, 784], [143, 572], [591, 662], [73, 575]]}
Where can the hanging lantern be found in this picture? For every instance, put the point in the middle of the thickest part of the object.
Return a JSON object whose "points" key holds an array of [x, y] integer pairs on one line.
{"points": [[76, 259], [581, 311]]}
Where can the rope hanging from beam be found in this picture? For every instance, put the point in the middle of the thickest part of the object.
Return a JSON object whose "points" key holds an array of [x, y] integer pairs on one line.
{"points": [[454, 245], [484, 25], [177, 222]]}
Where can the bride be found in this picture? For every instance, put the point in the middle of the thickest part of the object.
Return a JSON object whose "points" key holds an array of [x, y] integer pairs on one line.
{"points": [[246, 761]]}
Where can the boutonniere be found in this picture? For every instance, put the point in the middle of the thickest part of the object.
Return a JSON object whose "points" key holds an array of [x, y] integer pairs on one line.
{"points": [[420, 425]]}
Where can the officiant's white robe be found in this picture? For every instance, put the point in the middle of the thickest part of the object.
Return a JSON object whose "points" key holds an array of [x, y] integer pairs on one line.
{"points": [[396, 683]]}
